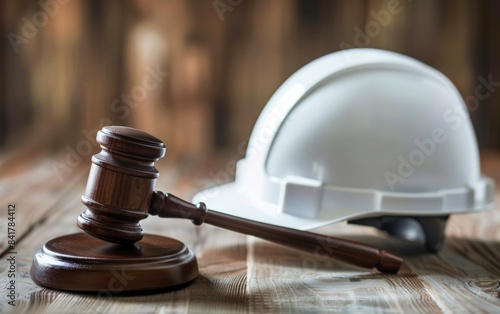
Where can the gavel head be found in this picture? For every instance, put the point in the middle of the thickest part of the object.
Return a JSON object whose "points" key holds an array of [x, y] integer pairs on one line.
{"points": [[120, 184]]}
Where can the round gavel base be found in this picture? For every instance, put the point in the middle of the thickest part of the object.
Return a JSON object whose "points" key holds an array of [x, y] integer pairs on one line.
{"points": [[79, 262]]}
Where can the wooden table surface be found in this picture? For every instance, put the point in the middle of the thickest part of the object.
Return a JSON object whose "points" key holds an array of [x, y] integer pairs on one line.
{"points": [[244, 274]]}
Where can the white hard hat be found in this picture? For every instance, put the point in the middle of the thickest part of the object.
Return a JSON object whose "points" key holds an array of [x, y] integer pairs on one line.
{"points": [[362, 135]]}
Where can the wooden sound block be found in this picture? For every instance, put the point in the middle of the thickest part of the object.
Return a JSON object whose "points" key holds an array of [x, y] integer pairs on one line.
{"points": [[79, 262]]}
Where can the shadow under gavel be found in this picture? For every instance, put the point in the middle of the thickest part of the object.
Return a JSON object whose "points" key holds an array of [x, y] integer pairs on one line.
{"points": [[120, 192]]}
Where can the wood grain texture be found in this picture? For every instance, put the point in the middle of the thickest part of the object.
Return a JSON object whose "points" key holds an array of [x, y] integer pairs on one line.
{"points": [[241, 274], [35, 190], [223, 62]]}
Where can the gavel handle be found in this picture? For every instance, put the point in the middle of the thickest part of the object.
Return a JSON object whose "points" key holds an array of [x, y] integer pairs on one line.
{"points": [[352, 252]]}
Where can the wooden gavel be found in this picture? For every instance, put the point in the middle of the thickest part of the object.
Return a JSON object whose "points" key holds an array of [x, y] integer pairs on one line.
{"points": [[120, 192]]}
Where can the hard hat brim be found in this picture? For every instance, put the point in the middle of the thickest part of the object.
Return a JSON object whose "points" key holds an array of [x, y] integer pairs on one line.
{"points": [[229, 199]]}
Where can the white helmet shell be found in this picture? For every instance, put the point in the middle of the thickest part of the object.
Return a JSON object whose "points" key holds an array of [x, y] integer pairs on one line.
{"points": [[356, 134]]}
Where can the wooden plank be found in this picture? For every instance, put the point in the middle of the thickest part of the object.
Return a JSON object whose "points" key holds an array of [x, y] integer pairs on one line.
{"points": [[29, 295], [287, 280], [34, 190], [463, 277], [245, 274]]}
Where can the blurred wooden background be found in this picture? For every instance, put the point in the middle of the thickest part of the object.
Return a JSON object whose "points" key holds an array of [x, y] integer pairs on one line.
{"points": [[69, 67]]}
